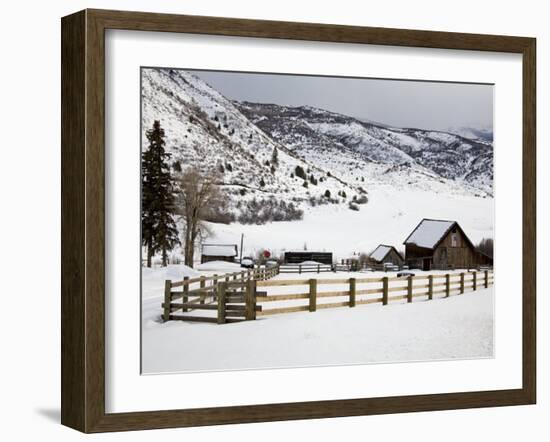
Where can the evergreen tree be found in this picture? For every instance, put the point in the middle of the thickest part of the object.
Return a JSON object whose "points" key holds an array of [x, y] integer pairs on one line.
{"points": [[299, 172], [275, 157], [159, 233]]}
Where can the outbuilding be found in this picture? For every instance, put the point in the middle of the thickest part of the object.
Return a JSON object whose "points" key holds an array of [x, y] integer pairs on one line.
{"points": [[440, 244], [219, 252], [303, 256], [385, 254]]}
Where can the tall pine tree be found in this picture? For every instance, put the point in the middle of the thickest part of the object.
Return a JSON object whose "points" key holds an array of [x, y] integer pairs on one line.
{"points": [[158, 228], [275, 157]]}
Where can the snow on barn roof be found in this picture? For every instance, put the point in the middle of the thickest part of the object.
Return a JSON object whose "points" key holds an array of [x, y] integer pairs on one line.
{"points": [[219, 250], [380, 252], [429, 232]]}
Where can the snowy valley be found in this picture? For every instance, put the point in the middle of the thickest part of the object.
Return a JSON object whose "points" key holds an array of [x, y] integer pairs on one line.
{"points": [[335, 182]]}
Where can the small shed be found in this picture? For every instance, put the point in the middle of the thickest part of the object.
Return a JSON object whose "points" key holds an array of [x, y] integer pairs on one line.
{"points": [[440, 244], [385, 254], [299, 257], [219, 252]]}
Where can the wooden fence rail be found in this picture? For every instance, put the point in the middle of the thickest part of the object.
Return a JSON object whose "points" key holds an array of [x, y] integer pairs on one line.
{"points": [[235, 296], [207, 293], [411, 287], [305, 268]]}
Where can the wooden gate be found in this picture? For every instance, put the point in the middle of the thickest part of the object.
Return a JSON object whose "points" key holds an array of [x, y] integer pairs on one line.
{"points": [[224, 302], [236, 301]]}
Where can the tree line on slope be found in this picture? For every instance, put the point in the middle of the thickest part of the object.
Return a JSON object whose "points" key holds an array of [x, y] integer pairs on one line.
{"points": [[195, 199]]}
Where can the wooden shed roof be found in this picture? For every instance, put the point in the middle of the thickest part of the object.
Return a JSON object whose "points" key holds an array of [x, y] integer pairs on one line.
{"points": [[382, 251], [219, 250]]}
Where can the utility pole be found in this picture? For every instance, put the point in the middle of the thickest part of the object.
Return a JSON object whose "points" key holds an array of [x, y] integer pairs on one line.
{"points": [[242, 240]]}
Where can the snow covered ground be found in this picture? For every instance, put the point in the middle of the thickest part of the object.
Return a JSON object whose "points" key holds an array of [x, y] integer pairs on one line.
{"points": [[453, 328], [388, 218]]}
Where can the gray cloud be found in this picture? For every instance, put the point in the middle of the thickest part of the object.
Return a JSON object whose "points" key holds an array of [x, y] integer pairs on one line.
{"points": [[400, 103]]}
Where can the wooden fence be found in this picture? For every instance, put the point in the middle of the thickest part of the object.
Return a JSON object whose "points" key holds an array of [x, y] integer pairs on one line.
{"points": [[235, 296], [370, 290], [305, 268], [199, 294]]}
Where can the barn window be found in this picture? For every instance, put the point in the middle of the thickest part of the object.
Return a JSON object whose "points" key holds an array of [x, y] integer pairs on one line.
{"points": [[454, 240]]}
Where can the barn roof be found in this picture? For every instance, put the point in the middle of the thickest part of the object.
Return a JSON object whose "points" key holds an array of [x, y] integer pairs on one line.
{"points": [[219, 249], [382, 251], [430, 232]]}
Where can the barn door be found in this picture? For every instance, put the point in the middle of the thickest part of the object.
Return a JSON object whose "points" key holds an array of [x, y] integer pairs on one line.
{"points": [[427, 264]]}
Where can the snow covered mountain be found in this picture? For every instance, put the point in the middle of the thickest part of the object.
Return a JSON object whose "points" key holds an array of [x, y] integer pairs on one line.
{"points": [[273, 161], [207, 131], [474, 133], [399, 155]]}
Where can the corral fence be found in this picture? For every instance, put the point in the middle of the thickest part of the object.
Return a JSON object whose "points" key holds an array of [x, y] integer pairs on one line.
{"points": [[241, 298], [358, 291], [200, 295]]}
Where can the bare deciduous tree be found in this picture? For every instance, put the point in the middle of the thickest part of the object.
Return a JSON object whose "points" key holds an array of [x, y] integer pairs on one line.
{"points": [[198, 194], [485, 246]]}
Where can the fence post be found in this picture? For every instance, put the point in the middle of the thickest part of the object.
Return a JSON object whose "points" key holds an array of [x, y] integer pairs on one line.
{"points": [[300, 269], [430, 287], [486, 279], [352, 291], [214, 282], [318, 268], [475, 280], [462, 283], [167, 299], [221, 302], [250, 300], [312, 295], [185, 297], [409, 289], [447, 285], [385, 290], [202, 286]]}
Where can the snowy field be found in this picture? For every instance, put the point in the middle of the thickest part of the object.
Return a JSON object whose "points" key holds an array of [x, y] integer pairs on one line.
{"points": [[458, 327], [388, 218]]}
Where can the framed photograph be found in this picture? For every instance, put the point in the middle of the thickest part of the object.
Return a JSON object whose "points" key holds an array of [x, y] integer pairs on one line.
{"points": [[268, 221]]}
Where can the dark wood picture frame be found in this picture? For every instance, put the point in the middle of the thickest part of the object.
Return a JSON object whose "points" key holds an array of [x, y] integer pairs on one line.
{"points": [[83, 217]]}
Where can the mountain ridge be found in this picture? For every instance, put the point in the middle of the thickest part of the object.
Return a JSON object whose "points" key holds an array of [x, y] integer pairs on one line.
{"points": [[322, 157]]}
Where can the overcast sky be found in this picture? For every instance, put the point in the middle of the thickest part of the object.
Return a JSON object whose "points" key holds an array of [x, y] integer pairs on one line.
{"points": [[424, 105]]}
